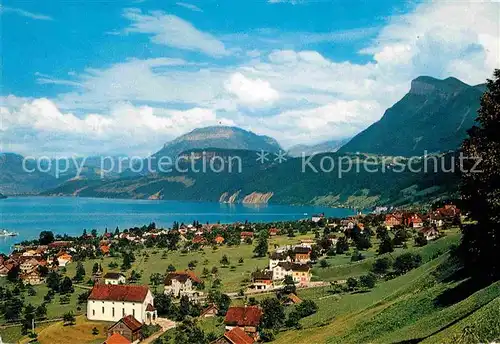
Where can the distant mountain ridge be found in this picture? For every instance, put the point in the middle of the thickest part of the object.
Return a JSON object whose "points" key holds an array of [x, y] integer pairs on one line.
{"points": [[330, 146], [220, 137], [18, 179], [433, 116]]}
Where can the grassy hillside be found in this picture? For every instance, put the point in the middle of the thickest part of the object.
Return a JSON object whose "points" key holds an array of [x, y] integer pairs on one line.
{"points": [[420, 306]]}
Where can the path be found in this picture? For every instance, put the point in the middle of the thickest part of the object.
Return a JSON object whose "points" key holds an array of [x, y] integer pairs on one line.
{"points": [[166, 324]]}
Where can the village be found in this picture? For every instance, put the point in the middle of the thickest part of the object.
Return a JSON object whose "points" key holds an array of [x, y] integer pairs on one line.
{"points": [[149, 284]]}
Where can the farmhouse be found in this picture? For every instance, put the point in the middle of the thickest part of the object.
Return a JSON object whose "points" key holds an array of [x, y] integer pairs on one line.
{"points": [[32, 277], [392, 220], [109, 302], [181, 283], [430, 233], [210, 311], [114, 278], [302, 254], [128, 326], [278, 257], [262, 280], [235, 336], [246, 318]]}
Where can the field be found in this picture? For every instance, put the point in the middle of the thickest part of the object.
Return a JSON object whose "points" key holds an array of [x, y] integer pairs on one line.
{"points": [[231, 276]]}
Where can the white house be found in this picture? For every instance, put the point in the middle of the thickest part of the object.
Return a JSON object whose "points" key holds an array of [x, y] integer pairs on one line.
{"points": [[181, 283], [114, 278], [109, 302], [281, 270], [278, 257]]}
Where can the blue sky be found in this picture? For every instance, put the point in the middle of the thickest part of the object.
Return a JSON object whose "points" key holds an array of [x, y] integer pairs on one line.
{"points": [[124, 77]]}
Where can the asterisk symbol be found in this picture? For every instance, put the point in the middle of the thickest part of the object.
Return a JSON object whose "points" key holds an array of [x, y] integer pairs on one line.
{"points": [[262, 156], [280, 156]]}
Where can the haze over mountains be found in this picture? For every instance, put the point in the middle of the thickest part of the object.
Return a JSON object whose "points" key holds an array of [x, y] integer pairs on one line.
{"points": [[434, 117]]}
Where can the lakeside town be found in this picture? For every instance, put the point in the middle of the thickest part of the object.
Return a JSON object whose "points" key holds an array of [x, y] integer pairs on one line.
{"points": [[208, 283]]}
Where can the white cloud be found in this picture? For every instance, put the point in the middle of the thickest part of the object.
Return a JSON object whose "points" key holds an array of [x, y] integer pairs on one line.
{"points": [[189, 6], [23, 13], [301, 96], [28, 122], [173, 31], [252, 92]]}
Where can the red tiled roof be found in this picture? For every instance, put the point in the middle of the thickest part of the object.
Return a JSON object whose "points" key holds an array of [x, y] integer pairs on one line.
{"points": [[109, 292], [132, 323], [117, 338], [243, 316], [246, 234], [238, 336], [181, 276]]}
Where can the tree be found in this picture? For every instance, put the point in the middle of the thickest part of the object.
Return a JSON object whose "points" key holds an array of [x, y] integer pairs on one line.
{"points": [[273, 314], [342, 245], [386, 245], [95, 331], [156, 279], [45, 237], [381, 265], [80, 272], [293, 320], [95, 268], [184, 307], [66, 286], [406, 262], [69, 318], [240, 261], [261, 248], [13, 274], [224, 261], [323, 263], [479, 249], [289, 285], [367, 281], [400, 236], [170, 268], [306, 308], [53, 281], [41, 311], [420, 239], [352, 283]]}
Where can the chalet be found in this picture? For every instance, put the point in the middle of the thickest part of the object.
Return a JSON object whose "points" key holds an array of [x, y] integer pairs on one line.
{"points": [[109, 302], [246, 235], [180, 283], [64, 259], [436, 219], [32, 277], [301, 273], [198, 239], [247, 318], [210, 311], [104, 250], [262, 280], [293, 299], [302, 254], [5, 268], [235, 336], [219, 240], [317, 217], [278, 257], [430, 233], [28, 265], [128, 326], [392, 220], [114, 278], [413, 220], [117, 338]]}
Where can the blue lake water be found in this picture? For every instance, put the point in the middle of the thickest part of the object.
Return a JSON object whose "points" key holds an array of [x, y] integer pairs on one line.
{"points": [[30, 215]]}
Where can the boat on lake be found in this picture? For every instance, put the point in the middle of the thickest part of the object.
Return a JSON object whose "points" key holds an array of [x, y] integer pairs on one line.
{"points": [[5, 233]]}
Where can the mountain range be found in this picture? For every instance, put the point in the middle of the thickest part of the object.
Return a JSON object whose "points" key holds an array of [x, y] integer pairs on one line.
{"points": [[330, 146], [434, 117]]}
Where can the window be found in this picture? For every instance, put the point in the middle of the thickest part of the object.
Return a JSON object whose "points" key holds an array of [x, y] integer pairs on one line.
{"points": [[93, 312], [113, 312], [133, 312], [102, 310], [123, 312]]}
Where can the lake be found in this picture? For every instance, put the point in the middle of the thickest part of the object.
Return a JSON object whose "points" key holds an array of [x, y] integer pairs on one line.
{"points": [[30, 215]]}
